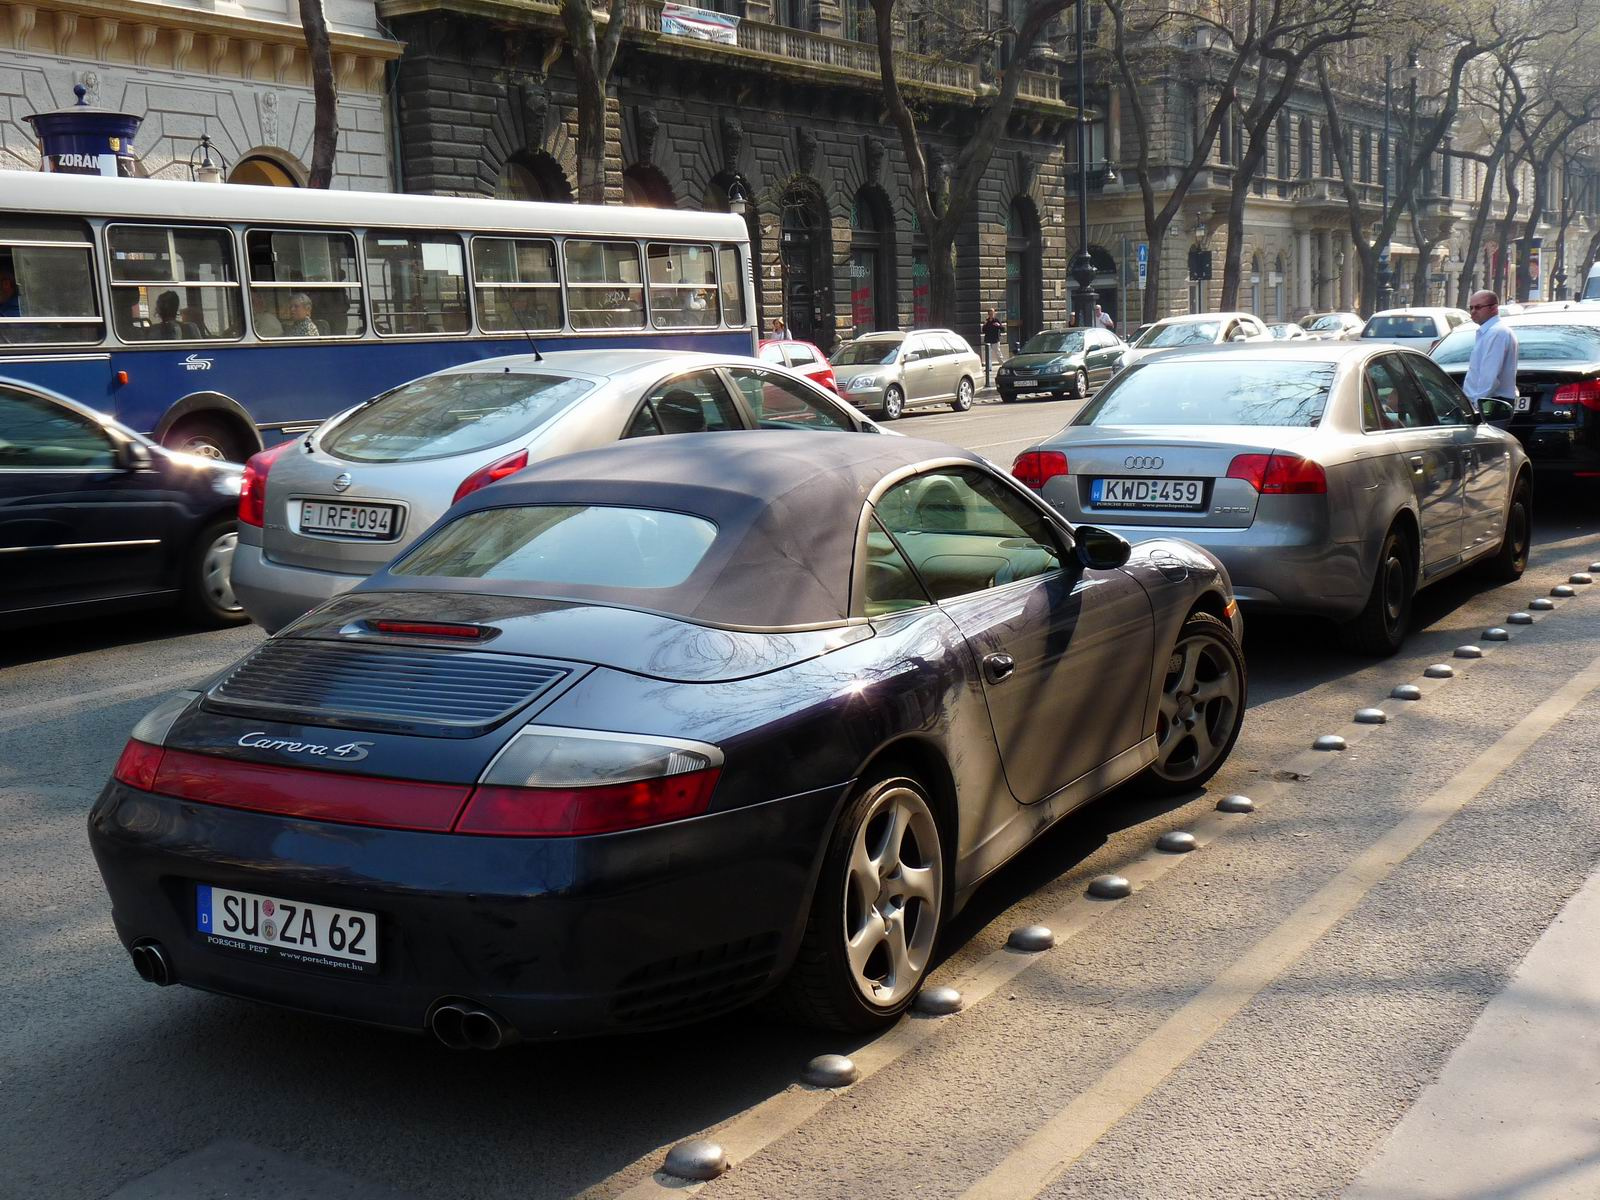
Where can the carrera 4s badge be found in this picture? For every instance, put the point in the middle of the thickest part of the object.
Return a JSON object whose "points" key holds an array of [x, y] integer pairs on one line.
{"points": [[349, 752]]}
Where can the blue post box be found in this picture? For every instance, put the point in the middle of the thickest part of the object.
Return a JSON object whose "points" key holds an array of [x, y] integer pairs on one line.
{"points": [[83, 140]]}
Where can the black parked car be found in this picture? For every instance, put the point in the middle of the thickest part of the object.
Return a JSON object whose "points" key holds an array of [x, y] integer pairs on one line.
{"points": [[94, 517], [1556, 414], [1060, 362]]}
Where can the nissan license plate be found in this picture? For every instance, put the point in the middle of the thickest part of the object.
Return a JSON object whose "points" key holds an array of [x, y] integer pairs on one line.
{"points": [[1178, 494], [312, 935], [374, 521]]}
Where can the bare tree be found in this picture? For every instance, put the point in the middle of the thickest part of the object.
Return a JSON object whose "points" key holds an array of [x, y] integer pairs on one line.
{"points": [[593, 56], [942, 208], [1509, 98], [325, 125]]}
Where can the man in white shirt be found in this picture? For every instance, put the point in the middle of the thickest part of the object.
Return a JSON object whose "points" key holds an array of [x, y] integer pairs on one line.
{"points": [[1492, 369]]}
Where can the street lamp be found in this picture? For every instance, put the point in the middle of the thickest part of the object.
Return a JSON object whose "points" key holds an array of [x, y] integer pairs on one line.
{"points": [[1084, 299], [738, 199], [201, 168]]}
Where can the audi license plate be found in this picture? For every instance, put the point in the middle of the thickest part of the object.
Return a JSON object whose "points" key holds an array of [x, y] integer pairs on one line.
{"points": [[374, 521], [311, 935], [1176, 494]]}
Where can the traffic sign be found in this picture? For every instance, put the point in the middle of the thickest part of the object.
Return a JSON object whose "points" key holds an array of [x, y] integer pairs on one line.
{"points": [[1144, 264]]}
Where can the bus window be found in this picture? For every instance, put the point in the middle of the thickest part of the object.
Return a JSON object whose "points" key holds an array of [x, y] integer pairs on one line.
{"points": [[732, 285], [518, 288], [304, 285], [683, 286], [418, 283], [173, 284], [47, 282], [603, 285]]}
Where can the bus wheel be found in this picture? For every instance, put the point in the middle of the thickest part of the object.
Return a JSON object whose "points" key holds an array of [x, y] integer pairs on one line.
{"points": [[206, 437]]}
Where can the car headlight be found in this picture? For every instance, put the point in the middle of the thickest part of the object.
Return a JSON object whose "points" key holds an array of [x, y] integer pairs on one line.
{"points": [[863, 383]]}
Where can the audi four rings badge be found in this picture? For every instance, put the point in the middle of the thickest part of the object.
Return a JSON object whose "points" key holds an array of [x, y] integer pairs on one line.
{"points": [[1143, 462]]}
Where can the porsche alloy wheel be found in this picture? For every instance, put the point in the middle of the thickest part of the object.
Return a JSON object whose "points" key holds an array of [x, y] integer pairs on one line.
{"points": [[1202, 705]]}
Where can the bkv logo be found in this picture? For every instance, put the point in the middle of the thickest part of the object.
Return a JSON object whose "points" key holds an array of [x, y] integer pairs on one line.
{"points": [[196, 362]]}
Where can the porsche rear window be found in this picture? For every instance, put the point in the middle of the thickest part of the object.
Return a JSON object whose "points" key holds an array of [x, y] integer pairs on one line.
{"points": [[1229, 391], [456, 413], [584, 545]]}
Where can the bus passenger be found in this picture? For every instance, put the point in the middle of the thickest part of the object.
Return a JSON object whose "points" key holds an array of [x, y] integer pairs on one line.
{"points": [[167, 326], [263, 316], [300, 323]]}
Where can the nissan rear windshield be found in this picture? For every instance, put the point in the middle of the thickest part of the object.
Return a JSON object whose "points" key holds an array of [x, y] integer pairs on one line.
{"points": [[587, 545], [1535, 343], [1222, 392], [456, 413]]}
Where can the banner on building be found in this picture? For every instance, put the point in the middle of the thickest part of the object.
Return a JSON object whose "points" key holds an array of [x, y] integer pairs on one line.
{"points": [[681, 20]]}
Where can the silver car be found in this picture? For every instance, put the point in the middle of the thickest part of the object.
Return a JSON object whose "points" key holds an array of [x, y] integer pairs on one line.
{"points": [[1333, 478], [1195, 329], [890, 372], [320, 513], [1421, 328]]}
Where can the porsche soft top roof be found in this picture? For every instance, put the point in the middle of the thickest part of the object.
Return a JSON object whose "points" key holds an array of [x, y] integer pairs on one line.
{"points": [[785, 503]]}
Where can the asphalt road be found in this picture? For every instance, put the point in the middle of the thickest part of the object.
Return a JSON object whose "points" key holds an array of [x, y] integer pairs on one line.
{"points": [[1253, 1021]]}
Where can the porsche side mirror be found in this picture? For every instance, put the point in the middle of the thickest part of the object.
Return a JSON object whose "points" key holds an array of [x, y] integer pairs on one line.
{"points": [[1100, 549]]}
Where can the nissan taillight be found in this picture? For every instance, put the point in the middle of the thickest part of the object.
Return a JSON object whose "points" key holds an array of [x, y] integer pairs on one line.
{"points": [[1280, 474], [253, 487], [509, 465], [1036, 467], [1585, 393]]}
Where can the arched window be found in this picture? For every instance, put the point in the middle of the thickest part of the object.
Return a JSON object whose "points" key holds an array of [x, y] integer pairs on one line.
{"points": [[1024, 271], [805, 256], [644, 186], [262, 171], [872, 299], [534, 176]]}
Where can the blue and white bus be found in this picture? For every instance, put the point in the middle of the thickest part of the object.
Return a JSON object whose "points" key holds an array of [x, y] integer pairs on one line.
{"points": [[219, 319]]}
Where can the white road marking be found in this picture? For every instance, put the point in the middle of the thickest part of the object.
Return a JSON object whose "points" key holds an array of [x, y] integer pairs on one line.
{"points": [[17, 717]]}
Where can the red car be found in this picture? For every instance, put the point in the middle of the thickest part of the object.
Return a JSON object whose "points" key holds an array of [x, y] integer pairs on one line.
{"points": [[800, 356]]}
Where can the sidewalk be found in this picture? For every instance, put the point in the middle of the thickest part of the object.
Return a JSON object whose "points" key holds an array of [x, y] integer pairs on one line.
{"points": [[1516, 1111]]}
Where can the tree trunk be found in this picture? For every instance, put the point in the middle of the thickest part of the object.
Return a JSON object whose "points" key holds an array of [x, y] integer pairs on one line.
{"points": [[592, 60], [1468, 280], [325, 125], [1233, 255], [1508, 223], [1156, 235]]}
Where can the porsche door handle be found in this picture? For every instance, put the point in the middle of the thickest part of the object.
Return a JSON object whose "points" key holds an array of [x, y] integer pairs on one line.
{"points": [[997, 668], [1417, 462]]}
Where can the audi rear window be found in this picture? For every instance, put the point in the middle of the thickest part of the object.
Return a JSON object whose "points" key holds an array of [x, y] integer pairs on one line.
{"points": [[460, 413], [1535, 343], [585, 545], [1225, 391]]}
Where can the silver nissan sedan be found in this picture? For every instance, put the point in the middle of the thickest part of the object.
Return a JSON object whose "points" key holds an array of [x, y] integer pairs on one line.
{"points": [[320, 513], [1333, 478]]}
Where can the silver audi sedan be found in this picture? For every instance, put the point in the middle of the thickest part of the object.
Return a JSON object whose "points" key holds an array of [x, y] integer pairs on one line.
{"points": [[1332, 478], [320, 513]]}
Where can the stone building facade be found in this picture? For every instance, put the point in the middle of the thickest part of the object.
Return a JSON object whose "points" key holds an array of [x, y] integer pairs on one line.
{"points": [[789, 112], [234, 72]]}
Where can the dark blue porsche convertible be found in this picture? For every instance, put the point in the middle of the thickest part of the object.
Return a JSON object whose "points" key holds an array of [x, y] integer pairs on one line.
{"points": [[644, 732]]}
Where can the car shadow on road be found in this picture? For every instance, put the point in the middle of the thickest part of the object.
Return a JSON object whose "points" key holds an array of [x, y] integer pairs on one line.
{"points": [[62, 639]]}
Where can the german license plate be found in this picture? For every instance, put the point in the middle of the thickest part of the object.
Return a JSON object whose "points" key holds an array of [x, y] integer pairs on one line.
{"points": [[375, 521], [1180, 494], [312, 935], [1523, 404]]}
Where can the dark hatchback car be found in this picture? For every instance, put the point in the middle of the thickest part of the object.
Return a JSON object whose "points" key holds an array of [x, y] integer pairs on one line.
{"points": [[640, 732], [1060, 362], [95, 518], [1556, 413]]}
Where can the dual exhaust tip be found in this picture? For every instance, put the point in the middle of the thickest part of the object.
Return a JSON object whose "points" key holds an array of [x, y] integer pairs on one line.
{"points": [[152, 963], [463, 1025]]}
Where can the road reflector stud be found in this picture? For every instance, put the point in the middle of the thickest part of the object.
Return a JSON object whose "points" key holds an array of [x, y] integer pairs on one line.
{"points": [[1236, 804], [697, 1158], [1371, 716], [1176, 841], [1440, 671], [1496, 635], [1542, 604], [1110, 887], [1469, 651], [1580, 577], [830, 1071], [1406, 691], [1519, 618], [1563, 591], [1328, 741], [1034, 938], [1595, 567], [937, 1001]]}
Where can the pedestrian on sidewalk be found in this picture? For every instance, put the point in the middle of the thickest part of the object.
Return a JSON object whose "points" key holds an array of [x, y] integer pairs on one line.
{"points": [[779, 329], [1492, 369], [993, 327], [1103, 319]]}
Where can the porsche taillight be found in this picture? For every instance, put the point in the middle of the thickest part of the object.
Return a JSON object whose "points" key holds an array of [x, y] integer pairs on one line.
{"points": [[137, 765]]}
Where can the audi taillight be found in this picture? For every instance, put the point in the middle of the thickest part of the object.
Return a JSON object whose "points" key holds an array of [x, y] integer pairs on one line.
{"points": [[1585, 393], [509, 465], [253, 487], [1036, 467], [1280, 474], [567, 782]]}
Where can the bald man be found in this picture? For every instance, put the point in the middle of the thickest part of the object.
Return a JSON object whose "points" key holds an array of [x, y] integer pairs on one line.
{"points": [[1492, 370]]}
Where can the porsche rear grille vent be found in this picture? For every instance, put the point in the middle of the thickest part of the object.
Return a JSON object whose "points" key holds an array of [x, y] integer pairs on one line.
{"points": [[698, 983], [446, 692]]}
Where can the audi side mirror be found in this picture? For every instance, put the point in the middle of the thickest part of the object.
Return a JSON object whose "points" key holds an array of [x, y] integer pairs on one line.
{"points": [[1100, 549]]}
